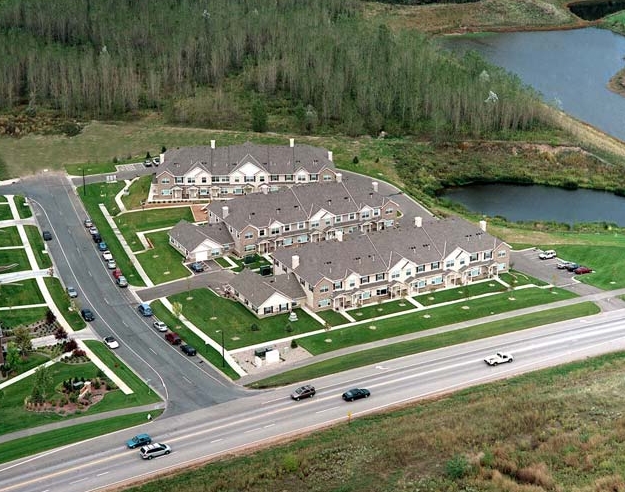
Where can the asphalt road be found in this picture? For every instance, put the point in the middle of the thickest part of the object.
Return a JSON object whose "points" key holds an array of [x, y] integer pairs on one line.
{"points": [[268, 415], [186, 384]]}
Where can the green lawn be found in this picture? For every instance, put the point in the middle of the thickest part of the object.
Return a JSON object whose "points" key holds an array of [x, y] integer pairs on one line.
{"points": [[38, 246], [431, 318], [69, 307], [9, 236], [131, 222], [210, 313], [373, 356], [375, 310], [464, 292], [22, 208], [162, 263], [16, 257], [206, 351], [332, 317], [15, 317], [89, 169], [137, 193], [37, 443], [222, 263], [20, 293], [517, 279], [94, 194], [5, 212], [34, 359]]}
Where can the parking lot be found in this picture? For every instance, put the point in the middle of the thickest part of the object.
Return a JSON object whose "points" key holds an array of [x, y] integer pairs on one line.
{"points": [[527, 261]]}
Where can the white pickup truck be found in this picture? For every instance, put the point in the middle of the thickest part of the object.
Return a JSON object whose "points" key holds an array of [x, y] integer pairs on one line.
{"points": [[498, 358]]}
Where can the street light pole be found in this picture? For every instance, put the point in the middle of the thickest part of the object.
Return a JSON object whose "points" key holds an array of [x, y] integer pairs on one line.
{"points": [[223, 350]]}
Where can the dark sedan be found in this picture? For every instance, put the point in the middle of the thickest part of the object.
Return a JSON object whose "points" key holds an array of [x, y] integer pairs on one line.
{"points": [[356, 394], [87, 314]]}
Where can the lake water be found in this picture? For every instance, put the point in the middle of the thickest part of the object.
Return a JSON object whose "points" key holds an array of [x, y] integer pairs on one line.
{"points": [[527, 203], [570, 69]]}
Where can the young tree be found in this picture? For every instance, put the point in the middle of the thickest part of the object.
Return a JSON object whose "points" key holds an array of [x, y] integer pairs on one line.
{"points": [[176, 308], [41, 384], [12, 357], [23, 340]]}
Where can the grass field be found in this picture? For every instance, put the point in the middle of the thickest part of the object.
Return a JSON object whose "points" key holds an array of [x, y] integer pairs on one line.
{"points": [[15, 257], [381, 309], [15, 317], [137, 193], [9, 236], [69, 307], [333, 318], [20, 293], [465, 292], [5, 211], [22, 207], [151, 219], [162, 263], [38, 246]]}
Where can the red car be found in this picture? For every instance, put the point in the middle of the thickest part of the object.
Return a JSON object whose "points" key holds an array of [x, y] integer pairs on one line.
{"points": [[117, 273], [581, 270]]}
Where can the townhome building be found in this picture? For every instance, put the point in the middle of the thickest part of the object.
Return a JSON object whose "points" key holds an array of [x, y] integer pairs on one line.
{"points": [[263, 222], [211, 172], [405, 260]]}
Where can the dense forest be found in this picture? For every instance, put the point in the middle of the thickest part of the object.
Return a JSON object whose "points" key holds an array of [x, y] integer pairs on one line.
{"points": [[318, 65]]}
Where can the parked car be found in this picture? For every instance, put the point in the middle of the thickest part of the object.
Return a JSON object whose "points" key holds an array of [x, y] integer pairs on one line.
{"points": [[145, 309], [152, 450], [87, 315], [139, 440], [572, 267], [121, 281], [47, 236], [173, 338], [499, 358], [160, 326], [147, 163], [197, 267], [356, 394], [111, 343], [306, 391], [71, 292], [117, 273], [564, 265], [88, 222], [547, 255], [97, 238], [188, 349], [156, 161], [107, 255], [111, 264], [102, 246], [581, 270], [93, 230]]}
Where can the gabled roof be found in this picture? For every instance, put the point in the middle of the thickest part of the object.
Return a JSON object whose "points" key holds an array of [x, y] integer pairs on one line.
{"points": [[258, 289], [190, 236], [297, 204], [376, 252], [274, 159]]}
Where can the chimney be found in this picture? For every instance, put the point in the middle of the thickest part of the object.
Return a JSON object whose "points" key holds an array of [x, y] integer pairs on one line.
{"points": [[375, 186], [294, 262], [339, 177], [418, 221], [338, 235], [225, 211], [330, 155], [212, 144], [483, 225], [291, 142]]}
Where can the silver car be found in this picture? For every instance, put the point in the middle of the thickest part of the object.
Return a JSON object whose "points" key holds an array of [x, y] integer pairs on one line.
{"points": [[155, 449]]}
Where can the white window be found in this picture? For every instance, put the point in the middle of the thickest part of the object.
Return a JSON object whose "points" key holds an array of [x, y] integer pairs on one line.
{"points": [[395, 275], [262, 232], [365, 295], [364, 280], [250, 247], [179, 180], [436, 280], [474, 272], [287, 241], [190, 180], [449, 264], [488, 255], [501, 266], [352, 283], [223, 191], [323, 303], [420, 268], [473, 257], [408, 272], [204, 191], [288, 177], [338, 285], [352, 216], [379, 276], [165, 181], [238, 191], [365, 214], [501, 253], [248, 235], [328, 222], [389, 210], [166, 192], [287, 227], [327, 177], [435, 265], [301, 225], [274, 231], [376, 212], [324, 288], [314, 223], [250, 179], [301, 178], [204, 180], [273, 177], [337, 219], [302, 239]]}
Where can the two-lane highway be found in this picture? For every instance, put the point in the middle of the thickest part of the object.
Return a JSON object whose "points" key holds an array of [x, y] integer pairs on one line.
{"points": [[269, 415]]}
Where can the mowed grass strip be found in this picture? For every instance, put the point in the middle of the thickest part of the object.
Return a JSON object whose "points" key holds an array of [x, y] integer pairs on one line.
{"points": [[43, 441], [465, 292], [381, 309], [333, 318], [22, 207], [5, 211], [20, 293], [426, 319], [431, 342], [9, 236], [210, 312], [15, 317], [162, 263], [15, 258], [68, 307], [38, 245]]}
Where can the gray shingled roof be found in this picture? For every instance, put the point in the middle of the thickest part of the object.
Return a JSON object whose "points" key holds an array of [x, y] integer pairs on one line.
{"points": [[190, 236], [275, 159], [376, 252], [258, 289], [296, 204]]}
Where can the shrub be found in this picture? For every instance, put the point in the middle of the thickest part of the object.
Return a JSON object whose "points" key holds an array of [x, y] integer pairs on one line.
{"points": [[457, 467], [60, 333], [288, 328], [254, 327], [294, 344], [290, 462], [70, 345], [78, 353], [355, 159]]}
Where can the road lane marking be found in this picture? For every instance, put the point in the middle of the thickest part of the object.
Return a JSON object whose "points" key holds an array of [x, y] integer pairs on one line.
{"points": [[78, 481], [152, 350], [268, 425], [187, 379], [100, 474], [216, 440], [327, 409]]}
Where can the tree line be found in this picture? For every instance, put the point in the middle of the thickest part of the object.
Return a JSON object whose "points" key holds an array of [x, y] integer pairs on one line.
{"points": [[213, 61]]}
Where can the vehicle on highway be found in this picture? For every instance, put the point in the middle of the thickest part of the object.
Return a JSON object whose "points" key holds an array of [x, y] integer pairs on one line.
{"points": [[88, 222], [581, 270], [188, 349], [47, 236], [356, 394], [71, 292], [155, 449], [499, 358], [121, 281], [197, 267], [173, 338], [87, 315], [160, 326], [111, 343], [102, 246], [145, 309], [306, 391], [116, 273], [111, 264], [93, 230], [138, 440], [547, 255]]}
